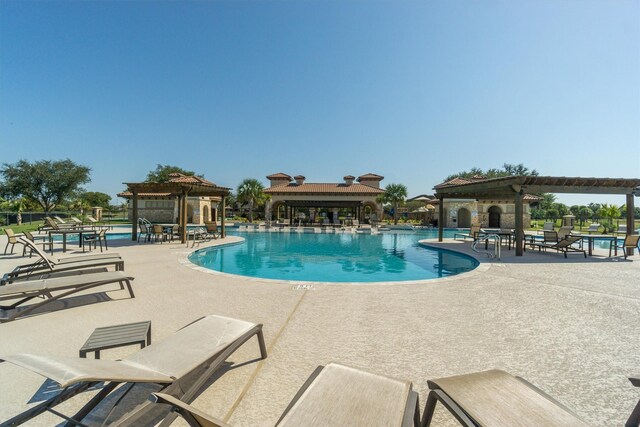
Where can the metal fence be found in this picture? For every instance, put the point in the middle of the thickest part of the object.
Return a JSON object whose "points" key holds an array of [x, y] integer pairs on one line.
{"points": [[11, 217]]}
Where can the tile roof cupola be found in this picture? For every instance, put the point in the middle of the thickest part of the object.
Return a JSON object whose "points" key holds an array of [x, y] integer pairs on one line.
{"points": [[370, 179], [348, 180], [279, 179], [299, 179]]}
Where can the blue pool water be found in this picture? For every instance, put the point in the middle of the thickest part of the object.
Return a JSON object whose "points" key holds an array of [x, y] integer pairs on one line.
{"points": [[334, 257]]}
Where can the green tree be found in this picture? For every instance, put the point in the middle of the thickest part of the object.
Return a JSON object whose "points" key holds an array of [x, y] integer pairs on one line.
{"points": [[95, 198], [507, 169], [583, 214], [161, 173], [552, 214], [395, 194], [44, 182], [251, 191], [610, 212]]}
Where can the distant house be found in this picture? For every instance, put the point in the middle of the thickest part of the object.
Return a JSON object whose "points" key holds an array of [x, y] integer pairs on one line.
{"points": [[491, 213], [353, 198], [163, 208]]}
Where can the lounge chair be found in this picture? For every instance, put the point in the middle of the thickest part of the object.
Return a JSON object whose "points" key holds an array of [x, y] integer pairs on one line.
{"points": [[593, 227], [180, 365], [47, 265], [622, 229], [634, 418], [35, 240], [472, 234], [629, 243], [12, 239], [76, 221], [496, 398], [564, 231], [26, 290], [562, 245], [335, 395]]}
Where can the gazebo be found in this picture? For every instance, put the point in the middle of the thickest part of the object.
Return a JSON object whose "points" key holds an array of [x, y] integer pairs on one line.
{"points": [[181, 188], [514, 187]]}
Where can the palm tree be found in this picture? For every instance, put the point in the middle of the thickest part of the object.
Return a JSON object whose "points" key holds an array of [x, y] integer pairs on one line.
{"points": [[611, 212], [251, 191], [395, 194]]}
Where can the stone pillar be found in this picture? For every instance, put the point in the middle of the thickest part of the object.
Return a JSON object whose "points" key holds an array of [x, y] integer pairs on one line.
{"points": [[440, 218]]}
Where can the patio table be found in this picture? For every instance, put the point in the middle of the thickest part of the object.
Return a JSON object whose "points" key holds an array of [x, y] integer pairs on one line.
{"points": [[64, 232], [591, 238], [117, 336]]}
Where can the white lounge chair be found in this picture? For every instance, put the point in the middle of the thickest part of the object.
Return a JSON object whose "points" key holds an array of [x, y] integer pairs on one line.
{"points": [[180, 365], [335, 395]]}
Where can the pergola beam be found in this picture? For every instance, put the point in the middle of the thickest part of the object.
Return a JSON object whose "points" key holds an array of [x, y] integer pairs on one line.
{"points": [[504, 188]]}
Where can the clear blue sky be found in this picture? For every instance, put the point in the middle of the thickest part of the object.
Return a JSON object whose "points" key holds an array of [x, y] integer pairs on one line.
{"points": [[412, 90]]}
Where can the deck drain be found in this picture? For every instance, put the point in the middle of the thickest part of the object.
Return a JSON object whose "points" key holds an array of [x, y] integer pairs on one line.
{"points": [[302, 287]]}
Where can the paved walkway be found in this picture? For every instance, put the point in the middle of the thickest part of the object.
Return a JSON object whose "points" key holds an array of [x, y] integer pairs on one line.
{"points": [[569, 326]]}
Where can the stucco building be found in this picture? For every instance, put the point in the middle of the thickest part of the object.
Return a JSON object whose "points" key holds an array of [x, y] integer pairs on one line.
{"points": [[294, 198], [164, 208]]}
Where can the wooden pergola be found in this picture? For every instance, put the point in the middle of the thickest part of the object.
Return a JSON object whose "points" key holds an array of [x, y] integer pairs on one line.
{"points": [[181, 190], [514, 187]]}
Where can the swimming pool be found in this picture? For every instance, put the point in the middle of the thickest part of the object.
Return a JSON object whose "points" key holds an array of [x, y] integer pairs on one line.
{"points": [[340, 257]]}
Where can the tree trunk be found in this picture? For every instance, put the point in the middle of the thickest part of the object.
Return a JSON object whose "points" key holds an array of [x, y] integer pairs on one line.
{"points": [[395, 214]]}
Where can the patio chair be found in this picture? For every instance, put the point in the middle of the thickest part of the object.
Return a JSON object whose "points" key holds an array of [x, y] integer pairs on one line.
{"points": [[212, 228], [146, 230], [593, 227], [96, 238], [334, 395], [473, 233], [630, 242], [563, 245], [496, 398], [547, 226], [27, 290], [179, 366], [48, 265], [12, 239]]}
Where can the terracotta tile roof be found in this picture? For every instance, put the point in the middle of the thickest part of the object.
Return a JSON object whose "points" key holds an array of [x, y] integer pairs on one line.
{"points": [[299, 177], [324, 188], [189, 179], [349, 177], [370, 176], [279, 175]]}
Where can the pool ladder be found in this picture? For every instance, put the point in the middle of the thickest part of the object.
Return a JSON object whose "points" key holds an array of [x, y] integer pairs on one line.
{"points": [[497, 243]]}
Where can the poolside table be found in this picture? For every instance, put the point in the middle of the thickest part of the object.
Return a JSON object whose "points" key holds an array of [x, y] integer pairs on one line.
{"points": [[502, 234], [591, 238], [117, 336], [64, 232]]}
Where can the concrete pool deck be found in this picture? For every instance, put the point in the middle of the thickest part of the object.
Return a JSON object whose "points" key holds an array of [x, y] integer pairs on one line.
{"points": [[568, 326]]}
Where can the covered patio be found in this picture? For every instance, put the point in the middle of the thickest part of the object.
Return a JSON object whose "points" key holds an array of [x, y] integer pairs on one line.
{"points": [[514, 187], [182, 190]]}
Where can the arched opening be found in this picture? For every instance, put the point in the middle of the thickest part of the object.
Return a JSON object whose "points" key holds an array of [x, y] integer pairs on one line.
{"points": [[494, 216], [205, 213], [464, 218], [278, 210]]}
